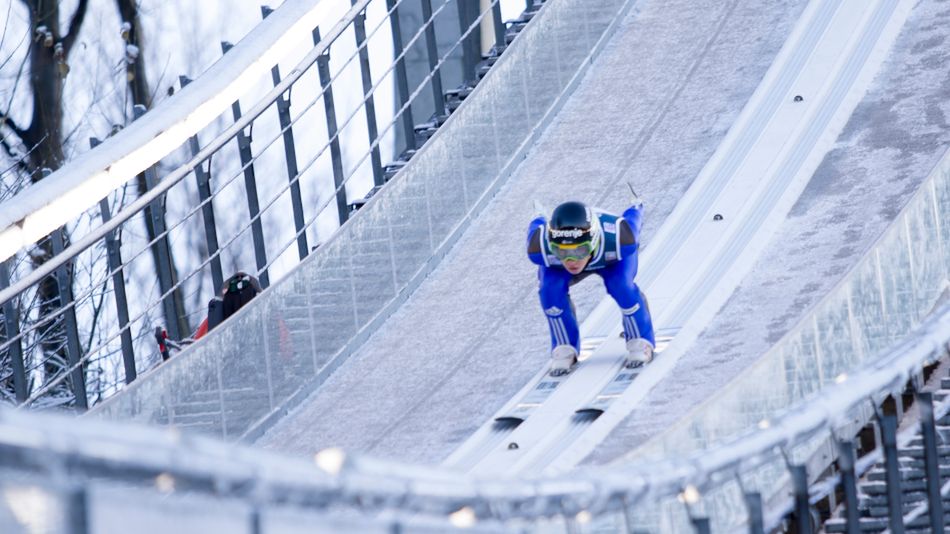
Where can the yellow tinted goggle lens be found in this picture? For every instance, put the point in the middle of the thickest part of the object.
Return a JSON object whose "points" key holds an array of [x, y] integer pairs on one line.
{"points": [[571, 252]]}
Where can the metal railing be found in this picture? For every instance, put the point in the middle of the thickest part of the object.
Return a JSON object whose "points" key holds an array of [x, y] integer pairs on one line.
{"points": [[67, 460], [270, 184]]}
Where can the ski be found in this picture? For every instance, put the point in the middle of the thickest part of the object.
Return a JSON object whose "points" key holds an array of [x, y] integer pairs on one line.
{"points": [[545, 386], [625, 376]]}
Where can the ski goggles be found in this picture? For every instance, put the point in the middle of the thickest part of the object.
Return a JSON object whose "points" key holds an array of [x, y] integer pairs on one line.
{"points": [[575, 252]]}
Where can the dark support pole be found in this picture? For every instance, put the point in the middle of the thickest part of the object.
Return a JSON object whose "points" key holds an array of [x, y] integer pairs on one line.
{"points": [[113, 251], [800, 488], [931, 461], [11, 323], [359, 27], [469, 48], [700, 525], [73, 350], [432, 52], [283, 114], [893, 475], [402, 81], [336, 156], [499, 27], [255, 521], [849, 486], [77, 514], [203, 179], [157, 214], [114, 254], [250, 187], [753, 503]]}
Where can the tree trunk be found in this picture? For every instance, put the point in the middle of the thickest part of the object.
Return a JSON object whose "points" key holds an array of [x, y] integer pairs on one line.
{"points": [[49, 51]]}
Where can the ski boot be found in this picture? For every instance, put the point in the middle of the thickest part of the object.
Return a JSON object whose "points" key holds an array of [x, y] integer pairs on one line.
{"points": [[639, 353], [563, 360]]}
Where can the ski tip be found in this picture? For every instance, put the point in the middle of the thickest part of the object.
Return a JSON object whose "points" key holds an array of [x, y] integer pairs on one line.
{"points": [[591, 413], [508, 421]]}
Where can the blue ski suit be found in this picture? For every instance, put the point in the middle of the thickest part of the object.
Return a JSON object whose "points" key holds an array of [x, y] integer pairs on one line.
{"points": [[615, 260]]}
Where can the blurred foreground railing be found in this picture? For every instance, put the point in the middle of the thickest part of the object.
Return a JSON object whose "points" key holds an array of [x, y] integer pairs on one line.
{"points": [[63, 465]]}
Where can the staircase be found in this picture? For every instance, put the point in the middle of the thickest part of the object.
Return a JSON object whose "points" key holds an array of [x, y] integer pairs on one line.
{"points": [[873, 503]]}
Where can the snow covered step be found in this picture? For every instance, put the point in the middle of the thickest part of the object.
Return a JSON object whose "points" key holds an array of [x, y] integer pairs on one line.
{"points": [[910, 496], [878, 474], [875, 488], [918, 452], [921, 524]]}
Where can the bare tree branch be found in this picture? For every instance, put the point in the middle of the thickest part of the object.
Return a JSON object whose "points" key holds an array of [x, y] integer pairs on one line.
{"points": [[5, 120], [75, 25]]}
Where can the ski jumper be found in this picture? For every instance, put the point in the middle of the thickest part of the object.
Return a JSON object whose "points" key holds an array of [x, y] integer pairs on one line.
{"points": [[615, 260]]}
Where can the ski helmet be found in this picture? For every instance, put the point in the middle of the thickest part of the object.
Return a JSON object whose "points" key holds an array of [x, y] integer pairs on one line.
{"points": [[573, 231]]}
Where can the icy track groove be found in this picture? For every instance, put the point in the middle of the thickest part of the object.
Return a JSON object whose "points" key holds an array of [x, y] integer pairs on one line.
{"points": [[694, 262]]}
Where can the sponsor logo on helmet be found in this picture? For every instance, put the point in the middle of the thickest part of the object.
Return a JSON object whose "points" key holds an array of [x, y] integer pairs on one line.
{"points": [[610, 227], [571, 232], [554, 311]]}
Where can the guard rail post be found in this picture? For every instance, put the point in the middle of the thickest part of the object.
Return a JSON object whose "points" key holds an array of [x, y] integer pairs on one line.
{"points": [[753, 503], [432, 53], [402, 80], [73, 350], [468, 44], [499, 26], [359, 28], [700, 525], [931, 460], [76, 514], [203, 181], [336, 155], [290, 154], [114, 258], [849, 485], [250, 188], [114, 255], [802, 506], [155, 214], [892, 473]]}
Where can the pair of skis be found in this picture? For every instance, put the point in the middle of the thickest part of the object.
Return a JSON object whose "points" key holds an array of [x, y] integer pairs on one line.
{"points": [[545, 386]]}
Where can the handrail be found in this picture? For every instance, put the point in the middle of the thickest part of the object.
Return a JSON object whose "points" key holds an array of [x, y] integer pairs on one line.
{"points": [[23, 229], [67, 192]]}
